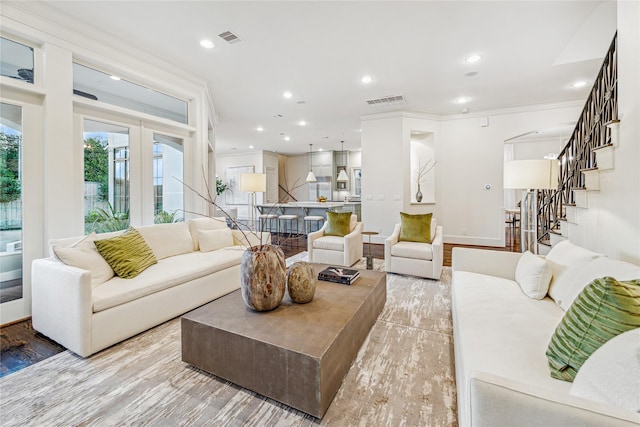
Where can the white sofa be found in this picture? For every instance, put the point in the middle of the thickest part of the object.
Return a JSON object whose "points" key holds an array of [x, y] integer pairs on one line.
{"points": [[336, 250], [75, 307], [413, 258], [501, 336]]}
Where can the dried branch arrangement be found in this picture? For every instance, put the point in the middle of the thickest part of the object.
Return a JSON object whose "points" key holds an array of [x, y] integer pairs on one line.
{"points": [[424, 170]]}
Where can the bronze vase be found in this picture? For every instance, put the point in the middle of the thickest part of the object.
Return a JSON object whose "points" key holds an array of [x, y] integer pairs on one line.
{"points": [[263, 277]]}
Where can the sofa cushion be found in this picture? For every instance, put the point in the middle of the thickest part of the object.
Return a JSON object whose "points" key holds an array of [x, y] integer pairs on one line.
{"points": [[533, 275], [413, 250], [83, 254], [561, 257], [338, 224], [69, 241], [501, 331], [603, 310], [204, 224], [611, 374], [167, 240], [210, 240], [415, 228], [333, 243], [128, 254], [580, 276], [165, 274]]}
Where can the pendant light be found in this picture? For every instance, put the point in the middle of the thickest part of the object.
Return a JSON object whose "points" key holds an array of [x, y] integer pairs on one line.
{"points": [[311, 177], [342, 176]]}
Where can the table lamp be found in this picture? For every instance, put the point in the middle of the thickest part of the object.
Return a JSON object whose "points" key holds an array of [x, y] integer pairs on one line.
{"points": [[530, 176], [253, 183]]}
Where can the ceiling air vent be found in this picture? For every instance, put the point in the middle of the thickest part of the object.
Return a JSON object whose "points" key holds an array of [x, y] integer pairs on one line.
{"points": [[387, 101], [229, 37]]}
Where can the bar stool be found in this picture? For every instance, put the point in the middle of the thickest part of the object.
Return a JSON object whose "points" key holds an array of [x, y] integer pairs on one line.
{"points": [[309, 219], [266, 221], [283, 219]]}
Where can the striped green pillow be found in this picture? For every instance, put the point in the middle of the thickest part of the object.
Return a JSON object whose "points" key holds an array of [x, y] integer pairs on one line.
{"points": [[604, 309], [128, 254]]}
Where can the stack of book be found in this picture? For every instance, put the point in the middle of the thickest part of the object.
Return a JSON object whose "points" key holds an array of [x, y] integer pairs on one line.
{"points": [[345, 276]]}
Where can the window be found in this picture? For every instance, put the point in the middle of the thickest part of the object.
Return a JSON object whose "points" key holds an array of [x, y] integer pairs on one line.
{"points": [[16, 60], [10, 202], [99, 86], [168, 195], [106, 177]]}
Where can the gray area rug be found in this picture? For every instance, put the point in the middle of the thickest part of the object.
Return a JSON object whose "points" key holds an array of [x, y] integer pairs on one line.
{"points": [[402, 376]]}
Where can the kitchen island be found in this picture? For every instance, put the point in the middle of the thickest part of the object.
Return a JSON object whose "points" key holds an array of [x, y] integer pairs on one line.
{"points": [[303, 209]]}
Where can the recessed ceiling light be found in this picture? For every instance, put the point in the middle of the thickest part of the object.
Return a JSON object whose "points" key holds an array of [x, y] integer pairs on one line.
{"points": [[259, 128], [366, 79], [471, 74], [116, 78], [320, 149], [207, 44], [251, 146], [462, 100], [472, 58], [287, 138], [302, 123], [580, 83], [287, 95]]}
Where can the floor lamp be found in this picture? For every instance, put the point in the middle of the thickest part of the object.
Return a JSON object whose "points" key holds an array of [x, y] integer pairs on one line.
{"points": [[253, 183], [530, 176]]}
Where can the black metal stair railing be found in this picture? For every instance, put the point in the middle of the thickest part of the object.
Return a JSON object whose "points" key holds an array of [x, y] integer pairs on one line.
{"points": [[591, 132]]}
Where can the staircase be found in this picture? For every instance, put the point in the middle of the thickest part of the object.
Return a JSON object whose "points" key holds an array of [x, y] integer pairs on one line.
{"points": [[588, 153]]}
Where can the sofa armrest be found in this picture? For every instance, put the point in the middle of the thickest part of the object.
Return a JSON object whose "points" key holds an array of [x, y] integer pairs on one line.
{"points": [[498, 401], [313, 236], [62, 304], [493, 263], [353, 247], [388, 243]]}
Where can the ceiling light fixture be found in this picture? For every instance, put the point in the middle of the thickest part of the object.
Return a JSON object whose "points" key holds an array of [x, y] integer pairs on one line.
{"points": [[472, 59], [342, 176], [311, 177], [251, 146], [366, 79], [287, 95], [287, 138], [116, 78], [580, 83], [462, 100], [259, 128], [302, 123], [207, 44]]}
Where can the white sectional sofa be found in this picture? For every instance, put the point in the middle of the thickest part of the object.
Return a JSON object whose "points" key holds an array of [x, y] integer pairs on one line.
{"points": [[501, 336], [86, 310]]}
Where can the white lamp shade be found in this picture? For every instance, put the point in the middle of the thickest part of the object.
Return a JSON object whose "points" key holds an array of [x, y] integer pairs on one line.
{"points": [[311, 177], [253, 182], [538, 174], [342, 176]]}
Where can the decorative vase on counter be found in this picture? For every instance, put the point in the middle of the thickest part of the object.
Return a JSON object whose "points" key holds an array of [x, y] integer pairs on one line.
{"points": [[419, 194], [301, 282], [263, 277]]}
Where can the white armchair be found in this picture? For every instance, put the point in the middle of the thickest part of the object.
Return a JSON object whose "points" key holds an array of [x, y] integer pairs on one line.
{"points": [[336, 250], [413, 258]]}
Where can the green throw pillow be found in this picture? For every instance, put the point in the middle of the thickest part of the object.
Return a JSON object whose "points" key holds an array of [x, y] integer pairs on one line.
{"points": [[128, 254], [604, 309], [415, 228], [338, 224]]}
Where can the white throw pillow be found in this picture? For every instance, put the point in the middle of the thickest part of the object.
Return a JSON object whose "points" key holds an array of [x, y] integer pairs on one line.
{"points": [[210, 240], [611, 374], [561, 257], [204, 224], [83, 254], [533, 275], [580, 276], [167, 240]]}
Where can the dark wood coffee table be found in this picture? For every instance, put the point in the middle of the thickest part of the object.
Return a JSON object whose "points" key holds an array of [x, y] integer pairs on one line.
{"points": [[297, 354]]}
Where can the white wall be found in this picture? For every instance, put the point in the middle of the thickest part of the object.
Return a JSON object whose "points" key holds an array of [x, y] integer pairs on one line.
{"points": [[611, 224], [469, 157]]}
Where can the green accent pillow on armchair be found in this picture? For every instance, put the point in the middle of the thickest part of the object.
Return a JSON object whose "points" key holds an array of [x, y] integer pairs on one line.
{"points": [[415, 228], [128, 254], [605, 308], [338, 224]]}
